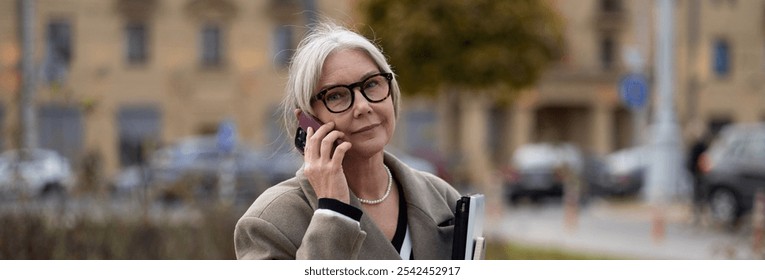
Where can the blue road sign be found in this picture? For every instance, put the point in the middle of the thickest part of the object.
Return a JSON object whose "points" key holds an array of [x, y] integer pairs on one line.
{"points": [[226, 136], [633, 89]]}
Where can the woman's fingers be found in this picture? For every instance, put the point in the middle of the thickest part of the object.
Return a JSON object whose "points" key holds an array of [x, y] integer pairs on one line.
{"points": [[323, 162], [321, 143], [308, 153], [340, 151], [312, 144], [329, 143]]}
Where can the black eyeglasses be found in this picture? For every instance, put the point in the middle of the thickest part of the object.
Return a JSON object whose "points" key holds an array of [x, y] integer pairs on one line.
{"points": [[339, 98]]}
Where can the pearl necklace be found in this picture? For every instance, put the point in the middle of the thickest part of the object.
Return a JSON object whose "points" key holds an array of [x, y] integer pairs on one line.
{"points": [[387, 192]]}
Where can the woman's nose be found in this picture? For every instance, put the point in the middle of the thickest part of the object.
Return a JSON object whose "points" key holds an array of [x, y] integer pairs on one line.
{"points": [[361, 105]]}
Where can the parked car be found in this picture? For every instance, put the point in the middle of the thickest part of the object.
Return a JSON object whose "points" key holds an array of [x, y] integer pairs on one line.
{"points": [[538, 170], [36, 172], [622, 172], [194, 165], [733, 171]]}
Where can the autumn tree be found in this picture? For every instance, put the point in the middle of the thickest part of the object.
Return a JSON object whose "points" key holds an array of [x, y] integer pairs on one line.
{"points": [[465, 44], [472, 50]]}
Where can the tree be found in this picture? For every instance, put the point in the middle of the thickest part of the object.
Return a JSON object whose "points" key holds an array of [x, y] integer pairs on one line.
{"points": [[465, 44], [463, 47]]}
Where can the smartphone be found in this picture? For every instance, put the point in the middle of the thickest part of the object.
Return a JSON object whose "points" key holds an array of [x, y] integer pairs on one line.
{"points": [[304, 122]]}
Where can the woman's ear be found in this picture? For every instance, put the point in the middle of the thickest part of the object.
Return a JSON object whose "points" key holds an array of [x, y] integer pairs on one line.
{"points": [[297, 112]]}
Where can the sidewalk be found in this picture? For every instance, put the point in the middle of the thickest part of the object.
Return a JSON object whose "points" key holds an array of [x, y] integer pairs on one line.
{"points": [[622, 230]]}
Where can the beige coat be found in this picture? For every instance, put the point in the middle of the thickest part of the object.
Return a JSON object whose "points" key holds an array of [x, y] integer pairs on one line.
{"points": [[281, 223]]}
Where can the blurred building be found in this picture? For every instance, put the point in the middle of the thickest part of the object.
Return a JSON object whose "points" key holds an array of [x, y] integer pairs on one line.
{"points": [[719, 74], [120, 76], [719, 79]]}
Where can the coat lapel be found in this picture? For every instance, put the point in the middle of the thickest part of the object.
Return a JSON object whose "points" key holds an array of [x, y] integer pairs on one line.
{"points": [[428, 213], [428, 217]]}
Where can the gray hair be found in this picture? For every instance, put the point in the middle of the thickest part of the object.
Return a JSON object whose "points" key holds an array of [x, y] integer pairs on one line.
{"points": [[305, 67]]}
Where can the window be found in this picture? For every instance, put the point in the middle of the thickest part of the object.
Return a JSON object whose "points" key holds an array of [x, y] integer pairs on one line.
{"points": [[610, 5], [721, 58], [139, 129], [136, 42], [212, 46], [607, 49], [58, 55], [282, 45], [311, 15], [60, 128], [2, 126]]}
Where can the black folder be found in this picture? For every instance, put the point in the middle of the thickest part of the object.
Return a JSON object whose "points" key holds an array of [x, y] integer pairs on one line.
{"points": [[468, 228]]}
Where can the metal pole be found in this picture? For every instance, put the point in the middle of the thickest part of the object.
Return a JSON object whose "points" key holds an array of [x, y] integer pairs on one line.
{"points": [[663, 180], [27, 114]]}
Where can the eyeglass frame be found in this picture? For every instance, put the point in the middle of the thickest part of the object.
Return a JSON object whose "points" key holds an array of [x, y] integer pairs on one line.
{"points": [[351, 87]]}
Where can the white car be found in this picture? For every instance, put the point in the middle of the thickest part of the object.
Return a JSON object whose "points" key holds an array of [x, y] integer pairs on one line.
{"points": [[35, 172]]}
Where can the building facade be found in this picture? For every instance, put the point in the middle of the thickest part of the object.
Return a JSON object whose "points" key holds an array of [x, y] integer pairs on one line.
{"points": [[120, 76], [719, 51]]}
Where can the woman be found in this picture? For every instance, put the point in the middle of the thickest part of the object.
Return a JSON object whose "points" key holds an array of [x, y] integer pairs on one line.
{"points": [[350, 200]]}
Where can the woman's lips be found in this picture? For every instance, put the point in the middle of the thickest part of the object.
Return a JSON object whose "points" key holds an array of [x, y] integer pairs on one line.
{"points": [[366, 128]]}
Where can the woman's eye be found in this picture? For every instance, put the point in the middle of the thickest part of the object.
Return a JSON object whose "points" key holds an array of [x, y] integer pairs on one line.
{"points": [[371, 84], [335, 95]]}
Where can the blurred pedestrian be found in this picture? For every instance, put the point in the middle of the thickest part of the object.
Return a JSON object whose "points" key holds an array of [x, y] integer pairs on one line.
{"points": [[695, 153], [350, 200]]}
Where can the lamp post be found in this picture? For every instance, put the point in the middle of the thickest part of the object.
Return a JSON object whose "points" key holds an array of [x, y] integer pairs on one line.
{"points": [[663, 180], [26, 107]]}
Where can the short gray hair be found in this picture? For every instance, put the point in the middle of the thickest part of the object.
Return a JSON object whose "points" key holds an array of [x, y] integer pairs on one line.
{"points": [[305, 67]]}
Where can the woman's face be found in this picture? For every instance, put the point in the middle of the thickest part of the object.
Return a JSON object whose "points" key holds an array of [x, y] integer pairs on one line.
{"points": [[368, 126]]}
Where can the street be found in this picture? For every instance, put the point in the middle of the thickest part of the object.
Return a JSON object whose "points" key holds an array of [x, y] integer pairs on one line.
{"points": [[622, 230]]}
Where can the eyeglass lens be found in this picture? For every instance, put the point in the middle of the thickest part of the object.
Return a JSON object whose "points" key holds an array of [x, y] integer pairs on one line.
{"points": [[340, 98]]}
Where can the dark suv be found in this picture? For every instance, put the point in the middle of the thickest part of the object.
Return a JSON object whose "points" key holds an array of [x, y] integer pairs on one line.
{"points": [[537, 170], [733, 171]]}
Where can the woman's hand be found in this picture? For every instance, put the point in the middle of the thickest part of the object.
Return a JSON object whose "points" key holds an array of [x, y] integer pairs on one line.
{"points": [[324, 162]]}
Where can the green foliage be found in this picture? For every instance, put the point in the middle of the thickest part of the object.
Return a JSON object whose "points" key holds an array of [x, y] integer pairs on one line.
{"points": [[472, 44], [36, 236], [513, 251]]}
